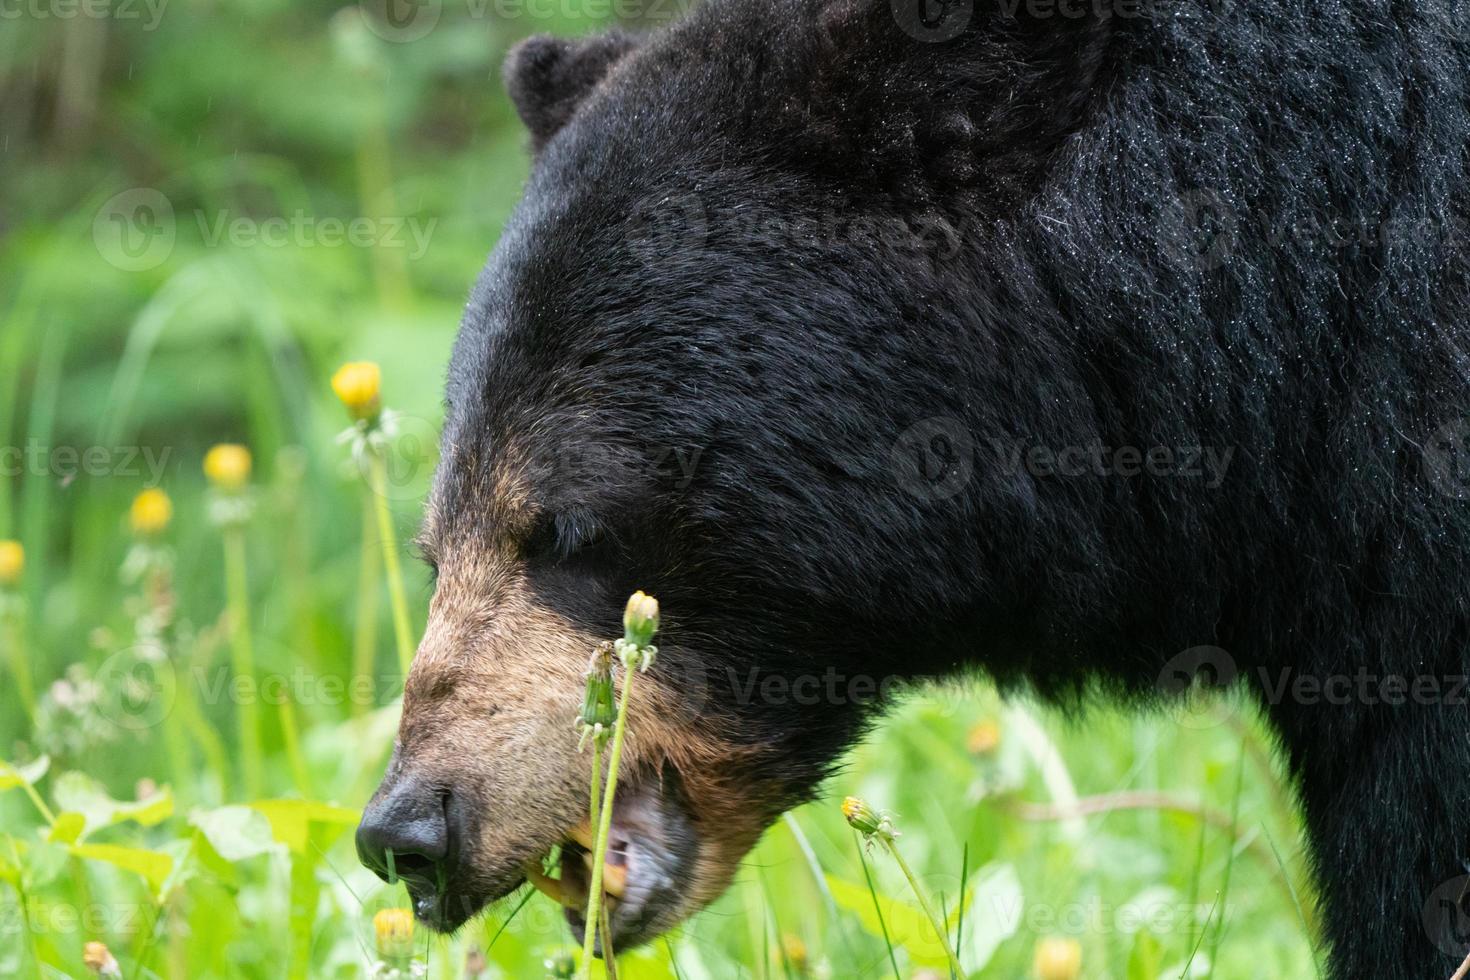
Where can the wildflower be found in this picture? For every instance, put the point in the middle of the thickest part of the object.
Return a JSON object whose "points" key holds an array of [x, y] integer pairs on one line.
{"points": [[359, 385], [640, 622], [228, 467], [371, 437], [879, 827], [393, 931], [151, 513], [599, 711], [12, 562], [862, 819], [984, 738], [1057, 959], [640, 619], [99, 959], [793, 951]]}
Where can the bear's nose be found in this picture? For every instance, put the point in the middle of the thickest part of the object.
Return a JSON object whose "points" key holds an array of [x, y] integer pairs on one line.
{"points": [[404, 832]]}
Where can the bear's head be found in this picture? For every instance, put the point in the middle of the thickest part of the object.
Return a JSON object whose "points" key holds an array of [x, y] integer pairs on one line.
{"points": [[710, 358]]}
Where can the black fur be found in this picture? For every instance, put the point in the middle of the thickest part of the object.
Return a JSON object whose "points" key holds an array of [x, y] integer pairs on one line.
{"points": [[784, 232]]}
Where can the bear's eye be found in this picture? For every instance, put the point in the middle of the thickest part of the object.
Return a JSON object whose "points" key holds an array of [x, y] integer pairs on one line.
{"points": [[557, 537]]}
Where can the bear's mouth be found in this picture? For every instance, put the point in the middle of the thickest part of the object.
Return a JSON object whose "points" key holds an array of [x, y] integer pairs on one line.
{"points": [[651, 852], [651, 855]]}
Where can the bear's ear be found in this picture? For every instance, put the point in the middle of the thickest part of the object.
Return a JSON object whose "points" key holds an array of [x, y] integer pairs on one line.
{"points": [[549, 77]]}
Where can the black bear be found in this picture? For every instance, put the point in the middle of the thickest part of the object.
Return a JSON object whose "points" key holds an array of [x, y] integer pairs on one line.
{"points": [[1098, 346]]}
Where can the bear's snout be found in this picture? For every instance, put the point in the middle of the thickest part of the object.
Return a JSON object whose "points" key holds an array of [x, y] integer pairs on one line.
{"points": [[405, 834]]}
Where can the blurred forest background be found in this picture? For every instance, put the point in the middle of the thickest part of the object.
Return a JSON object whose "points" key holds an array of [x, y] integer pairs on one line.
{"points": [[206, 207]]}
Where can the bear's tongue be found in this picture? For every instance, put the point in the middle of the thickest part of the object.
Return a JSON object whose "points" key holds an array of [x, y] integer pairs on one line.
{"points": [[571, 888]]}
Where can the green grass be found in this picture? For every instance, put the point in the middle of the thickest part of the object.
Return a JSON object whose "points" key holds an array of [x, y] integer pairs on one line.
{"points": [[1153, 843]]}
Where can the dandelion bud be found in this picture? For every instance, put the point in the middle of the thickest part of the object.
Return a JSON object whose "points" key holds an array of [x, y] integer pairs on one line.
{"points": [[865, 821], [99, 959], [599, 709], [359, 385], [860, 815], [12, 562], [228, 467], [151, 513], [640, 619], [393, 931], [1057, 959]]}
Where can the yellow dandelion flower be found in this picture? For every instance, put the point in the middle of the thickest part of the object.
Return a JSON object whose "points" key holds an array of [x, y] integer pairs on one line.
{"points": [[393, 930], [151, 513], [984, 738], [1057, 959], [359, 384], [99, 959], [12, 562], [228, 466], [793, 950]]}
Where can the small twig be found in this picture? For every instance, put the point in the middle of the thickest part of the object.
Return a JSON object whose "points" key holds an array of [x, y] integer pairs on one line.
{"points": [[1463, 971]]}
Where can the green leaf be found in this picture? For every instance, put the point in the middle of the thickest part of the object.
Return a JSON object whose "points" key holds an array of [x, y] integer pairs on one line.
{"points": [[237, 833], [67, 828], [10, 851], [12, 776], [79, 793], [907, 926], [291, 821], [153, 866]]}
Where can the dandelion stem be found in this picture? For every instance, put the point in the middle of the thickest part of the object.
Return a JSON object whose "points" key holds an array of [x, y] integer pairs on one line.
{"points": [[878, 909], [401, 630], [924, 903], [243, 655], [20, 666], [365, 632], [604, 825]]}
